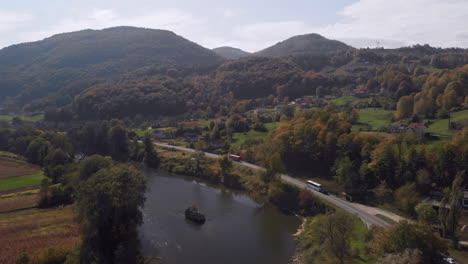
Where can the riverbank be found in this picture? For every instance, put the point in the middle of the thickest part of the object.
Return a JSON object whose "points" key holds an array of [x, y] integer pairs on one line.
{"points": [[287, 198], [237, 229]]}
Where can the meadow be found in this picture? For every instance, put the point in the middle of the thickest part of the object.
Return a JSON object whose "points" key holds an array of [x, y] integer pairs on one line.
{"points": [[252, 136], [21, 181], [373, 119], [37, 231], [441, 126]]}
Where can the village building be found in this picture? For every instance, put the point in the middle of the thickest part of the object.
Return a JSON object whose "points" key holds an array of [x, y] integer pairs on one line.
{"points": [[417, 127]]}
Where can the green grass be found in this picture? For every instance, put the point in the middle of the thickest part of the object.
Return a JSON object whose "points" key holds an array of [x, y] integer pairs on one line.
{"points": [[358, 241], [24, 118], [344, 100], [241, 139], [142, 132], [21, 181], [441, 126], [373, 118]]}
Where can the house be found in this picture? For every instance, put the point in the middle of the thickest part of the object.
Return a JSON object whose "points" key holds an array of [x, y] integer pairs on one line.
{"points": [[260, 111], [318, 102], [397, 128], [303, 100], [278, 109], [158, 134], [436, 197], [417, 127], [329, 97], [361, 93], [349, 93]]}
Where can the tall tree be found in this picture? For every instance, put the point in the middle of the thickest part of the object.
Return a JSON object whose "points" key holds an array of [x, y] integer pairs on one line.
{"points": [[119, 143], [334, 231], [151, 156], [109, 206], [404, 107], [450, 208]]}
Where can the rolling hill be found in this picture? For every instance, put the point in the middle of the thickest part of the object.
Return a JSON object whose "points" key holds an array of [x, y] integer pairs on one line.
{"points": [[76, 60], [304, 44], [231, 53]]}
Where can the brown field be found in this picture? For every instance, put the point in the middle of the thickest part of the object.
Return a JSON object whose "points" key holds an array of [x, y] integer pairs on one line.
{"points": [[11, 168], [18, 201], [35, 231]]}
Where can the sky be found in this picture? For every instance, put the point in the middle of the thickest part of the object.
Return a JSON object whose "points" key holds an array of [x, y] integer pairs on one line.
{"points": [[251, 25]]}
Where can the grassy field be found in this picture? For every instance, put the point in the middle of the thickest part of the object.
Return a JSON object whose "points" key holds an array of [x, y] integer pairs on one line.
{"points": [[358, 241], [373, 118], [21, 181], [344, 100], [240, 139], [12, 168], [441, 126], [35, 231], [24, 118], [18, 201]]}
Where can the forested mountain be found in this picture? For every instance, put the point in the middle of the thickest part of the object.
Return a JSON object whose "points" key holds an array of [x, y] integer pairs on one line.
{"points": [[304, 44], [124, 72], [231, 53], [74, 60]]}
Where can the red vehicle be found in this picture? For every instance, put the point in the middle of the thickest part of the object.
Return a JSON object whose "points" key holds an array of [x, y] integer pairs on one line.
{"points": [[235, 157]]}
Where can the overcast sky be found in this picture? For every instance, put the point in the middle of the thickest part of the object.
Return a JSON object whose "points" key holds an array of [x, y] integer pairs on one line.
{"points": [[248, 24]]}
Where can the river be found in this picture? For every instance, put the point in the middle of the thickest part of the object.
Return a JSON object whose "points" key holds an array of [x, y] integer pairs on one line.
{"points": [[237, 230]]}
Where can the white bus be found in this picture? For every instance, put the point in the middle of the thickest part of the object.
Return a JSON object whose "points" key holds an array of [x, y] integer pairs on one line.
{"points": [[315, 186]]}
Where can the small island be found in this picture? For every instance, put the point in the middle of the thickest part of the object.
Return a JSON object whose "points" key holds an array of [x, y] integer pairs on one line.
{"points": [[194, 215]]}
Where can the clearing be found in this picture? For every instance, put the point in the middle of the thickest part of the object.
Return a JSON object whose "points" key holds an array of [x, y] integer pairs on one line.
{"points": [[12, 168], [373, 119], [441, 126], [246, 138], [35, 231], [21, 181]]}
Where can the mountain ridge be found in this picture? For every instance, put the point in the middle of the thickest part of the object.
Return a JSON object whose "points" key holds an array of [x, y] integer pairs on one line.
{"points": [[312, 43], [231, 52]]}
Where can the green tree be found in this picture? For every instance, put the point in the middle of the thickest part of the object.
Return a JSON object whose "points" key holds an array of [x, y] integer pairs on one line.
{"points": [[109, 206], [403, 236], [334, 232], [407, 197], [37, 151], [450, 209], [404, 107], [225, 164], [119, 143], [274, 166], [23, 258], [93, 164], [426, 214], [151, 156], [56, 157]]}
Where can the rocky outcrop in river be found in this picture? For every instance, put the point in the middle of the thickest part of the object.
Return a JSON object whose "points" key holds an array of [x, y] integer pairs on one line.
{"points": [[194, 215]]}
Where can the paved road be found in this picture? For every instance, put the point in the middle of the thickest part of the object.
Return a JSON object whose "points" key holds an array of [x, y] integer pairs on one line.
{"points": [[365, 217]]}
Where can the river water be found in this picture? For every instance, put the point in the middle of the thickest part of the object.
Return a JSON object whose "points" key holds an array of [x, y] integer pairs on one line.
{"points": [[237, 230]]}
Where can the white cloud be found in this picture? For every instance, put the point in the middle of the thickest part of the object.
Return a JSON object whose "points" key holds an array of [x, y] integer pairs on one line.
{"points": [[392, 23], [171, 19], [439, 23], [12, 20]]}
